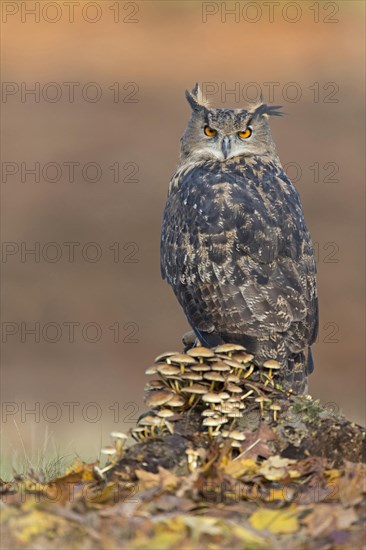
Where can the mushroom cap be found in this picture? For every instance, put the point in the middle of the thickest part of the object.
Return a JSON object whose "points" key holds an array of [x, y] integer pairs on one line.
{"points": [[176, 401], [225, 408], [154, 385], [211, 397], [201, 367], [200, 351], [165, 413], [168, 370], [243, 357], [182, 359], [118, 435], [235, 414], [208, 412], [233, 388], [149, 420], [214, 421], [151, 370], [234, 434], [261, 399], [220, 366], [224, 395], [234, 364], [271, 364], [199, 389], [213, 376], [232, 378], [275, 407], [165, 355], [158, 398], [227, 348], [108, 450], [191, 376]]}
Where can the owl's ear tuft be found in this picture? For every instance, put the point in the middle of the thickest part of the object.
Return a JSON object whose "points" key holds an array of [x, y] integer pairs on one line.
{"points": [[267, 110], [195, 98]]}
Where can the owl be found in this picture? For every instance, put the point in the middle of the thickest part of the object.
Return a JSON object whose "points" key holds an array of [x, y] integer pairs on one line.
{"points": [[234, 244]]}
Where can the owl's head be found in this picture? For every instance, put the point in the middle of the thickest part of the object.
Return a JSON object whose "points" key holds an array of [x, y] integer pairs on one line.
{"points": [[226, 133]]}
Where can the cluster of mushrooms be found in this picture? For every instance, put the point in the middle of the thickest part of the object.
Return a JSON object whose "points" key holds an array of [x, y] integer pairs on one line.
{"points": [[220, 383]]}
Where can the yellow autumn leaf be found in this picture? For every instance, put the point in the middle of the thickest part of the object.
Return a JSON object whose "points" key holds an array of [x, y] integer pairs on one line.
{"points": [[238, 468], [102, 495], [251, 540], [275, 521], [79, 468], [332, 475]]}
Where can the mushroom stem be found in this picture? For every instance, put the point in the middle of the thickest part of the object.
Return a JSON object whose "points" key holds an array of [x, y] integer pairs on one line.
{"points": [[249, 372]]}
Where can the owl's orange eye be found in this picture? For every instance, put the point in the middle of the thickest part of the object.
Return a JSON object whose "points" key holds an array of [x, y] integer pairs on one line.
{"points": [[244, 135], [209, 132]]}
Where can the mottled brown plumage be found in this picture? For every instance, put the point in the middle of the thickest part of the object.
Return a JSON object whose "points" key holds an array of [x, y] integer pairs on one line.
{"points": [[234, 245]]}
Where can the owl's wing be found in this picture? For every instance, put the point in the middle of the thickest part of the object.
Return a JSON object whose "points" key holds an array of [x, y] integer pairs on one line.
{"points": [[236, 250]]}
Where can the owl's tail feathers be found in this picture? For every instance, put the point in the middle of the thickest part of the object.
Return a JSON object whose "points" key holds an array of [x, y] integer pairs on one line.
{"points": [[295, 374], [212, 339]]}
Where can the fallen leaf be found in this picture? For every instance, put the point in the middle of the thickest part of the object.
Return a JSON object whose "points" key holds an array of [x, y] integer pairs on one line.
{"points": [[238, 468], [276, 521], [326, 517], [276, 468], [164, 478], [256, 443]]}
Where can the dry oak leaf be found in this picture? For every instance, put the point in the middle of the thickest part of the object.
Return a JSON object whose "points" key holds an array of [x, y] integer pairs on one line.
{"points": [[256, 443], [164, 478], [352, 485], [325, 518], [276, 468]]}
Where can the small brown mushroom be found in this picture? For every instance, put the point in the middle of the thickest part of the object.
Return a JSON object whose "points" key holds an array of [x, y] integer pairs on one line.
{"points": [[176, 402], [182, 360], [272, 365], [200, 368], [211, 398], [233, 388], [158, 398], [194, 390], [261, 399], [164, 356], [229, 348], [108, 450], [154, 385], [243, 357], [275, 408], [151, 370], [200, 353]]}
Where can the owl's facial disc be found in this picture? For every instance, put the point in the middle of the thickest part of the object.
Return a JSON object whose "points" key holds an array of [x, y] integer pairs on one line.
{"points": [[222, 134]]}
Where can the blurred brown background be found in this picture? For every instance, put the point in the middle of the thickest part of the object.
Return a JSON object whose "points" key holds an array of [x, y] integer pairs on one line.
{"points": [[154, 51]]}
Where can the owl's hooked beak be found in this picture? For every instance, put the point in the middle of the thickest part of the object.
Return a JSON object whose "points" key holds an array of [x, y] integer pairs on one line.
{"points": [[225, 146]]}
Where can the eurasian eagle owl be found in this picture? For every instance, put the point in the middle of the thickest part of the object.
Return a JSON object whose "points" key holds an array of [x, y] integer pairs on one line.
{"points": [[234, 244]]}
